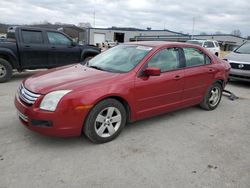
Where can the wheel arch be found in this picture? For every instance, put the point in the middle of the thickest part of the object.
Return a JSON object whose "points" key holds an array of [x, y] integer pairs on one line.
{"points": [[122, 100], [9, 56], [88, 52], [221, 82]]}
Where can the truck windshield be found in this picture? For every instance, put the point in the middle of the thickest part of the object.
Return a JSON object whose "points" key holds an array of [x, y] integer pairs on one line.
{"points": [[243, 49], [120, 59]]}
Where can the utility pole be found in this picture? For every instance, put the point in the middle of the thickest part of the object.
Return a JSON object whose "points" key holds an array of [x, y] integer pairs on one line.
{"points": [[193, 28], [94, 19]]}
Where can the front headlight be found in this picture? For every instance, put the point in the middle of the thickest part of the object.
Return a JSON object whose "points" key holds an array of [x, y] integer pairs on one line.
{"points": [[51, 100]]}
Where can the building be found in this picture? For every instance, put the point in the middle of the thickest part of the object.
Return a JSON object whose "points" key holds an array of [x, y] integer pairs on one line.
{"points": [[97, 36], [227, 41], [100, 35]]}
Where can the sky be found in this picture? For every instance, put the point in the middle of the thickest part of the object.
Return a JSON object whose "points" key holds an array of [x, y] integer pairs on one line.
{"points": [[208, 16]]}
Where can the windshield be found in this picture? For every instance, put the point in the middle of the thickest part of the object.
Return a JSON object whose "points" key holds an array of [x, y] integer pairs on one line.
{"points": [[121, 58], [244, 49], [195, 42]]}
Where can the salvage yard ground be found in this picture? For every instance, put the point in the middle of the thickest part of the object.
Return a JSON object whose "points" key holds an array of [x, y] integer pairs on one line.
{"points": [[186, 148]]}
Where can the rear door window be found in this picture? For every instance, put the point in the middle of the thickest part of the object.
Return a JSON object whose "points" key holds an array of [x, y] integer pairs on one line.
{"points": [[195, 57], [32, 37], [58, 39]]}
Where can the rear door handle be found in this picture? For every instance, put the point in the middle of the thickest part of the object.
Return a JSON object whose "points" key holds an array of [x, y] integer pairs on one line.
{"points": [[27, 46]]}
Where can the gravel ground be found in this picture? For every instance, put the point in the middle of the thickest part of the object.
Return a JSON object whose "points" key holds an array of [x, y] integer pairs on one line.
{"points": [[186, 148]]}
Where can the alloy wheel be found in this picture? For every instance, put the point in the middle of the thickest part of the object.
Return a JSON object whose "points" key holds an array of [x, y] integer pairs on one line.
{"points": [[108, 122], [215, 95]]}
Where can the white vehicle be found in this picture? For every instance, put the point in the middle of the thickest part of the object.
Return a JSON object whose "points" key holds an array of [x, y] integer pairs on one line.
{"points": [[109, 44], [211, 45]]}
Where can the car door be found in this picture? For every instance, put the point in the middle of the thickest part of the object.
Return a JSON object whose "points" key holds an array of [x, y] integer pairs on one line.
{"points": [[33, 49], [198, 75], [159, 94], [62, 51]]}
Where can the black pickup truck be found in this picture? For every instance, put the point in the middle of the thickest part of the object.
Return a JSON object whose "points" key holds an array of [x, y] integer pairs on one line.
{"points": [[35, 48]]}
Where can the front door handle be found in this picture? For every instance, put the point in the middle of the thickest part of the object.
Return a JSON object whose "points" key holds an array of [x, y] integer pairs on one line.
{"points": [[177, 77], [211, 70]]}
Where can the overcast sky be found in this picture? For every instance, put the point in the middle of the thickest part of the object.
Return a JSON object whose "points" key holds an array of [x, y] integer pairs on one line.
{"points": [[210, 15]]}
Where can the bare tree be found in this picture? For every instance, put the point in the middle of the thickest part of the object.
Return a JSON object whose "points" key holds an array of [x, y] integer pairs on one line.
{"points": [[218, 33], [236, 32], [203, 33]]}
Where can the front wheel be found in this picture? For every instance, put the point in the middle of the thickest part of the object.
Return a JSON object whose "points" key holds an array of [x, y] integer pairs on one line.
{"points": [[5, 70], [212, 98], [105, 121]]}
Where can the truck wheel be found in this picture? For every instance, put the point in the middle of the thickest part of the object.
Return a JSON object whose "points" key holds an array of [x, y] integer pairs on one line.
{"points": [[212, 98], [5, 70]]}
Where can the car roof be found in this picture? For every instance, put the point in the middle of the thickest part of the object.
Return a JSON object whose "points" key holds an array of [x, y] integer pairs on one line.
{"points": [[161, 44], [202, 40]]}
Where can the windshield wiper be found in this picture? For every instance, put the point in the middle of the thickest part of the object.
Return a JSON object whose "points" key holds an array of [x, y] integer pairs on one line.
{"points": [[96, 67]]}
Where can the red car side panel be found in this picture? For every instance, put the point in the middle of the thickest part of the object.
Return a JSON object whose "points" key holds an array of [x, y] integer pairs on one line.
{"points": [[197, 80], [157, 94]]}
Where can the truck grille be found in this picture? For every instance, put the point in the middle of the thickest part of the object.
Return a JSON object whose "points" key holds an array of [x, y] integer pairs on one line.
{"points": [[239, 65], [27, 96]]}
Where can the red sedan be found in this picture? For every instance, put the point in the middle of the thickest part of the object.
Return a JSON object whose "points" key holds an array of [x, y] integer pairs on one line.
{"points": [[126, 83]]}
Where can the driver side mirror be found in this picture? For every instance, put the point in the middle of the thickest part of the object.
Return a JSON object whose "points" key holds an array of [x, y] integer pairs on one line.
{"points": [[74, 43], [152, 71]]}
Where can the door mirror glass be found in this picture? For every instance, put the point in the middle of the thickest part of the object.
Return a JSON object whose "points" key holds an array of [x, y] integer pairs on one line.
{"points": [[152, 71]]}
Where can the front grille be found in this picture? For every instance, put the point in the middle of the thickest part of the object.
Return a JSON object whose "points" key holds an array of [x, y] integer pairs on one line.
{"points": [[239, 65], [27, 96]]}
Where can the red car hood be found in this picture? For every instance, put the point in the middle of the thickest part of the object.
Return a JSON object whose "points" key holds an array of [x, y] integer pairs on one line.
{"points": [[70, 78]]}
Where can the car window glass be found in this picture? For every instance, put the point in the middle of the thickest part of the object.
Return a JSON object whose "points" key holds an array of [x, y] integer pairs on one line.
{"points": [[216, 44], [207, 60], [32, 37], [121, 58], [58, 39], [166, 60], [208, 44], [244, 49], [194, 57]]}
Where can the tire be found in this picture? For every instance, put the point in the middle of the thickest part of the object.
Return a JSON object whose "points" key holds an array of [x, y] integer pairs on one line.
{"points": [[5, 70], [105, 121], [212, 98]]}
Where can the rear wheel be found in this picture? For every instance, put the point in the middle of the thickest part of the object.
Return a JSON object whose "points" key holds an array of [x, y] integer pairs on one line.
{"points": [[5, 70], [105, 121], [212, 97]]}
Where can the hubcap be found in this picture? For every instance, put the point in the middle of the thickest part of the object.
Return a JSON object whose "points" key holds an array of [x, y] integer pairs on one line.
{"points": [[214, 96], [108, 122], [2, 71]]}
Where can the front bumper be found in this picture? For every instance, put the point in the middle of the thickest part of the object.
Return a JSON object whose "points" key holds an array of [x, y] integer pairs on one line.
{"points": [[238, 74], [61, 123]]}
